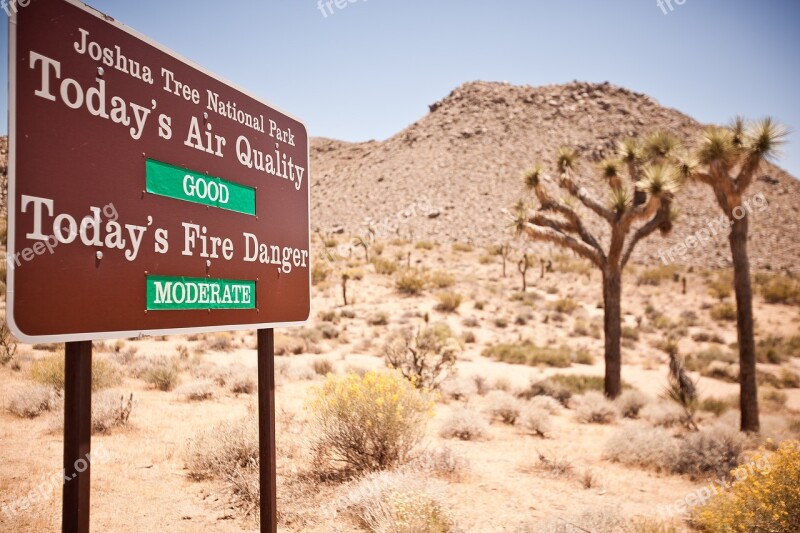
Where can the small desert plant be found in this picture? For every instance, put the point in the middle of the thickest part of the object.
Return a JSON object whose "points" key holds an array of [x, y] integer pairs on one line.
{"points": [[594, 408], [546, 403], [8, 344], [459, 389], [464, 424], [765, 498], [441, 462], [323, 367], [424, 245], [554, 466], [219, 342], [448, 301], [630, 403], [723, 312], [462, 247], [536, 420], [441, 280], [715, 406], [398, 502], [530, 354], [643, 447], [410, 282], [368, 423], [385, 267], [657, 275], [712, 451], [31, 401], [565, 305], [50, 371], [681, 389], [547, 388], [378, 319], [110, 410], [426, 356], [663, 414], [503, 406], [198, 391], [781, 290], [161, 373]]}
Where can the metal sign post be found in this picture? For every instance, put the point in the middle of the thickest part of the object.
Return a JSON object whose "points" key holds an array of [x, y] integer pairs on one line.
{"points": [[77, 436], [266, 430]]}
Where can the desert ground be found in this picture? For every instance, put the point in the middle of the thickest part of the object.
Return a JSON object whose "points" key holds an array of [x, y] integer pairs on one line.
{"points": [[490, 475]]}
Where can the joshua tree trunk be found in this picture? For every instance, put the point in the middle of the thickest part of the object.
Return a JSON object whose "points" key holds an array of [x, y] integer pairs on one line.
{"points": [[612, 316], [748, 398]]}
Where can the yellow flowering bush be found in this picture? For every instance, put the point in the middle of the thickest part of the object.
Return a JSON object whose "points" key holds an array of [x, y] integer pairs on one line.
{"points": [[764, 497], [369, 422]]}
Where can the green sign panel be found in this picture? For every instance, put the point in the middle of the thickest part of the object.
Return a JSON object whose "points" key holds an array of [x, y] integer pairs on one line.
{"points": [[182, 184], [169, 293]]}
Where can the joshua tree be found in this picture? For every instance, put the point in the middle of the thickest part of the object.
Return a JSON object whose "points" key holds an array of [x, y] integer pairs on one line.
{"points": [[523, 266], [504, 252], [727, 161], [363, 243], [642, 207]]}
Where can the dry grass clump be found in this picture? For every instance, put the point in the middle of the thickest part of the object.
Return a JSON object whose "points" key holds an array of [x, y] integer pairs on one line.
{"points": [[528, 353], [198, 391], [367, 423], [712, 451], [547, 388], [441, 280], [503, 406], [723, 312], [546, 403], [464, 424], [630, 403], [398, 502], [322, 366], [594, 408], [289, 345], [777, 350], [536, 421], [383, 266], [642, 446], [229, 453], [242, 382], [565, 305], [448, 301], [410, 282], [378, 319], [441, 462], [8, 344], [50, 371], [599, 520], [663, 414], [765, 498], [554, 466], [30, 401], [161, 373], [459, 388], [780, 289], [110, 410], [218, 342], [657, 275]]}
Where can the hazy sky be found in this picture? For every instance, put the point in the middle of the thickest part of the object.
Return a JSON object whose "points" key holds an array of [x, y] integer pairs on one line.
{"points": [[368, 70]]}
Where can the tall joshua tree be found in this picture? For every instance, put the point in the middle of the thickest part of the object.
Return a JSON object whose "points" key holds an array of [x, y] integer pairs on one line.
{"points": [[727, 161], [640, 204]]}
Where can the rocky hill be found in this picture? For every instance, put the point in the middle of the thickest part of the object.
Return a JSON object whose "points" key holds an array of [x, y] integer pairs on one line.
{"points": [[447, 176]]}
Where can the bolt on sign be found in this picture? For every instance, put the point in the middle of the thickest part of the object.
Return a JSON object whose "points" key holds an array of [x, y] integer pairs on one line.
{"points": [[146, 195]]}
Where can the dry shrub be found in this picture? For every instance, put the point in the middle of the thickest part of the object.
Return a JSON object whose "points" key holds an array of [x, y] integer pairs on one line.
{"points": [[599, 520], [30, 401], [765, 498], [441, 462], [229, 453], [594, 408], [503, 406], [448, 301], [110, 410], [663, 414], [198, 391], [441, 280], [219, 342], [546, 403], [322, 367], [464, 424], [630, 403], [289, 345], [642, 446], [712, 451], [385, 267], [459, 389], [536, 421], [242, 382], [554, 466], [161, 373], [367, 423], [547, 388], [781, 289], [398, 502], [410, 282], [8, 344], [378, 319], [425, 357], [723, 312], [50, 371], [530, 354]]}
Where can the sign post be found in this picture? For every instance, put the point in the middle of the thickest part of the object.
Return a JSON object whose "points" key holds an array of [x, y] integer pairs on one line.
{"points": [[147, 196]]}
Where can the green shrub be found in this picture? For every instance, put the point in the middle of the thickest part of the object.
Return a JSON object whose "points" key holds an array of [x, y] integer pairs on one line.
{"points": [[367, 423], [530, 354]]}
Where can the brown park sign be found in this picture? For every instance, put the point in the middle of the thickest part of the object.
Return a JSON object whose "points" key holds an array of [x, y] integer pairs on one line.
{"points": [[146, 195]]}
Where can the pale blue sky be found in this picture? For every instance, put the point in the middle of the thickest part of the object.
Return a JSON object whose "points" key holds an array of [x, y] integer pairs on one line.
{"points": [[370, 69]]}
